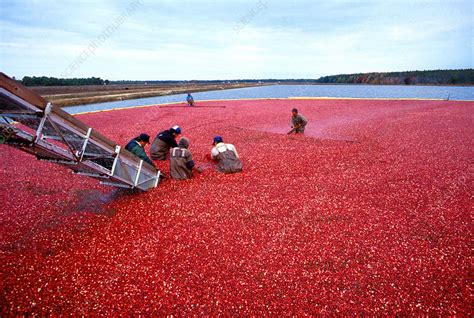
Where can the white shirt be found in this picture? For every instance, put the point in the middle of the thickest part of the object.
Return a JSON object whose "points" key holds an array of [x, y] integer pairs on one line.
{"points": [[221, 147]]}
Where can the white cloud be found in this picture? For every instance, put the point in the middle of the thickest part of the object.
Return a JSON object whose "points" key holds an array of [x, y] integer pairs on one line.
{"points": [[165, 40]]}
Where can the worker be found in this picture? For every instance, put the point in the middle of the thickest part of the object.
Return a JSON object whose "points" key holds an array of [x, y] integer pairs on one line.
{"points": [[190, 100], [163, 142], [181, 161], [137, 147], [226, 155], [298, 122]]}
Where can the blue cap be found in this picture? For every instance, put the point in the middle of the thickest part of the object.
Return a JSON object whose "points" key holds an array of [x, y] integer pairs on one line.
{"points": [[217, 139], [176, 129]]}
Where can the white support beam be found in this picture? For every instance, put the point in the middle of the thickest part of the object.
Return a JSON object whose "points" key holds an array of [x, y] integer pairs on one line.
{"points": [[137, 177], [86, 141], [158, 176], [43, 120], [117, 158]]}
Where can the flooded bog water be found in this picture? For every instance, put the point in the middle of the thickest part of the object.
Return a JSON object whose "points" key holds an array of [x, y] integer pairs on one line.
{"points": [[295, 91]]}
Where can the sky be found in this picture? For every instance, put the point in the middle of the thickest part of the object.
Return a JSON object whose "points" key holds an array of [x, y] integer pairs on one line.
{"points": [[232, 39]]}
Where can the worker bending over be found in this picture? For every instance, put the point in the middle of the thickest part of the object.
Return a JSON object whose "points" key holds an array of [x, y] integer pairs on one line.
{"points": [[181, 161], [298, 122], [226, 155], [137, 147], [163, 142], [190, 100]]}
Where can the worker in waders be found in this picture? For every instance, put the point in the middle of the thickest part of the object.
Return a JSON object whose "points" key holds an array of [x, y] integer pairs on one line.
{"points": [[226, 155], [181, 161], [137, 147], [190, 100], [163, 142], [298, 122]]}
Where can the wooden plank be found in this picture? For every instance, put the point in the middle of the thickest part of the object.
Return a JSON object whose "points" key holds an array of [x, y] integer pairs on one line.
{"points": [[21, 91]]}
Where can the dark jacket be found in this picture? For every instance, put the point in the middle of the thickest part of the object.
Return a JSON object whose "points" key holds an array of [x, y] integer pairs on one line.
{"points": [[162, 144], [134, 147]]}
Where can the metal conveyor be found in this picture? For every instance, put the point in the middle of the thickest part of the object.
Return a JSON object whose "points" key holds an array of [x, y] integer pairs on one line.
{"points": [[29, 123]]}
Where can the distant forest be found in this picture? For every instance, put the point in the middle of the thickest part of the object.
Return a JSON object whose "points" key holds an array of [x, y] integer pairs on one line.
{"points": [[53, 81], [449, 77], [436, 77]]}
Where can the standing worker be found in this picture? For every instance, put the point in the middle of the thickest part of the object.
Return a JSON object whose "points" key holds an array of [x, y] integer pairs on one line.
{"points": [[163, 142], [298, 122], [190, 100], [226, 155], [181, 161], [137, 147]]}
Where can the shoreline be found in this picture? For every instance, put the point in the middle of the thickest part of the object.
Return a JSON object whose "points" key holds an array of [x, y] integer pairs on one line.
{"points": [[64, 96]]}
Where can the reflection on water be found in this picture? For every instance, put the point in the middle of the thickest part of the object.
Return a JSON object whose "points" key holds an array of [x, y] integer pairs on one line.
{"points": [[285, 91]]}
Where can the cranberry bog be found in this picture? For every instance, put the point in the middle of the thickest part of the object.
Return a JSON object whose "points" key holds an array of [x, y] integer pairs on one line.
{"points": [[368, 213]]}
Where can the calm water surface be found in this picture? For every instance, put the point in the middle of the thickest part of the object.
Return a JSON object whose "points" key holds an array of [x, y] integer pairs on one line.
{"points": [[285, 91]]}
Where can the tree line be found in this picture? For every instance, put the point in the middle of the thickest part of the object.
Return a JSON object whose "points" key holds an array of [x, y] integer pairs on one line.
{"points": [[432, 77], [53, 81], [437, 77]]}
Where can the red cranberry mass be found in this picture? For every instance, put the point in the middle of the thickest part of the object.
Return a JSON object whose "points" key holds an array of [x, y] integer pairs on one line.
{"points": [[367, 214]]}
